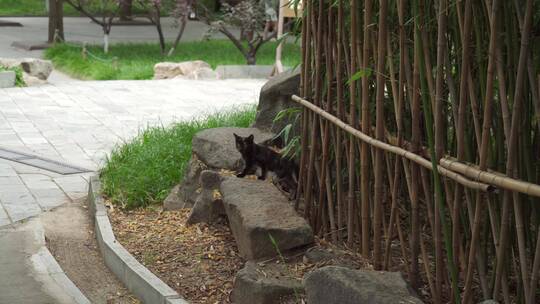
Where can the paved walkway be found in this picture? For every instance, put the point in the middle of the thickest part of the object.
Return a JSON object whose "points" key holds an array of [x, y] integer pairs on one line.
{"points": [[79, 123]]}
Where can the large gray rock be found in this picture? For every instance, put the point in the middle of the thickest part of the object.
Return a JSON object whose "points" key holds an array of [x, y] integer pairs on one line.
{"points": [[7, 79], [34, 67], [168, 70], [276, 96], [217, 149], [340, 285], [264, 285], [257, 210]]}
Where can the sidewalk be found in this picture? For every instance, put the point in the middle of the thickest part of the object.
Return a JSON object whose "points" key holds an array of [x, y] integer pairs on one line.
{"points": [[78, 123]]}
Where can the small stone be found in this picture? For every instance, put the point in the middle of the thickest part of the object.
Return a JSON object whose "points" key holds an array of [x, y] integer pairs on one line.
{"points": [[257, 285], [7, 79], [173, 200], [189, 189], [317, 254], [210, 179]]}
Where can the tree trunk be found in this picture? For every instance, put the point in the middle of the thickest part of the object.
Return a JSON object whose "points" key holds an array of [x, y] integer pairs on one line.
{"points": [[105, 42], [179, 36], [56, 20], [251, 59], [126, 13]]}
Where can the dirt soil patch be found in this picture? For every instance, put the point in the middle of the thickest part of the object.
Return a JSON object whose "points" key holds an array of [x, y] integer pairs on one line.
{"points": [[69, 233]]}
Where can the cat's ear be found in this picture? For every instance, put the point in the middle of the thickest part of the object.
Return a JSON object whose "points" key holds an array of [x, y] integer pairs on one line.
{"points": [[236, 136], [250, 138]]}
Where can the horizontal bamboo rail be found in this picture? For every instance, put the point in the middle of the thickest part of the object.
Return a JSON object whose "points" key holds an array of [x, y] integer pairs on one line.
{"points": [[493, 178], [392, 149]]}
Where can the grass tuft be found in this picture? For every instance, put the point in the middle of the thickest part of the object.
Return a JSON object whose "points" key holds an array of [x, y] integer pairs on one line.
{"points": [[137, 60], [141, 172]]}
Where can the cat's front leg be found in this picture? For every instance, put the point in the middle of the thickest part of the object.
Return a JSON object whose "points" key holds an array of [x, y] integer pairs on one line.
{"points": [[245, 171], [263, 173]]}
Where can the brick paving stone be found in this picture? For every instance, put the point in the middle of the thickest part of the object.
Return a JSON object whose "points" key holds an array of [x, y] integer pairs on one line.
{"points": [[80, 122]]}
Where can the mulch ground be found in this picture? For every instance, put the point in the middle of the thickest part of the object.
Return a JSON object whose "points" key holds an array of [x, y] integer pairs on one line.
{"points": [[200, 261]]}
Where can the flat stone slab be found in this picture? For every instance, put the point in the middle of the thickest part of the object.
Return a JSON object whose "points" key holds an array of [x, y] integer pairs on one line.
{"points": [[244, 71], [217, 149], [257, 210], [7, 79], [334, 284]]}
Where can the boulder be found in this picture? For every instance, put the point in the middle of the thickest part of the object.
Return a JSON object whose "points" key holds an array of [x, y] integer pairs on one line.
{"points": [[255, 284], [203, 73], [7, 79], [168, 70], [32, 81], [276, 96], [38, 68], [334, 284], [217, 149], [257, 210], [208, 206]]}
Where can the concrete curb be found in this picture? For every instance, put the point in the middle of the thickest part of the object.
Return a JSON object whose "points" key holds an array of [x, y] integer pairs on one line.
{"points": [[44, 262], [137, 278]]}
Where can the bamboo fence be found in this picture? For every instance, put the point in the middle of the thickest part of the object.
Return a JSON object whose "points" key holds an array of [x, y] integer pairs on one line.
{"points": [[420, 141]]}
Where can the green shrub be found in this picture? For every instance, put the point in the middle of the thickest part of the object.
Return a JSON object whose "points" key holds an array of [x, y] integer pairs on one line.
{"points": [[142, 171]]}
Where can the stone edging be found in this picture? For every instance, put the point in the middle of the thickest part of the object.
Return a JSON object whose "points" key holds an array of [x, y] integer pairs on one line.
{"points": [[137, 278], [44, 261]]}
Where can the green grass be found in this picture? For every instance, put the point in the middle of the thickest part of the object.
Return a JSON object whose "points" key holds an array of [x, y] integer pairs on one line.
{"points": [[31, 8], [136, 61], [142, 171], [37, 8]]}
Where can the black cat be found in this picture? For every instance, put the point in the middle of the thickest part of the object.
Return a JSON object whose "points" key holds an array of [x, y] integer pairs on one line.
{"points": [[256, 155]]}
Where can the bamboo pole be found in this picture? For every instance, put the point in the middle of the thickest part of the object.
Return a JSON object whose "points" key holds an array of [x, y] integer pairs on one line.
{"points": [[378, 201], [389, 148], [495, 179], [364, 152]]}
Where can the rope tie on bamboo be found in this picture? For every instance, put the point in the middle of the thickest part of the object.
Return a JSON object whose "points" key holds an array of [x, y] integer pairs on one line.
{"points": [[493, 178], [393, 149]]}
